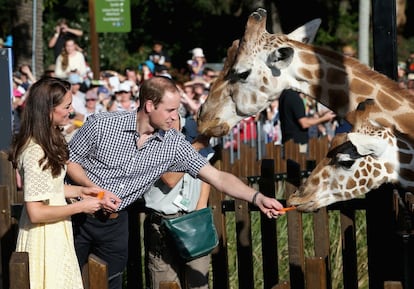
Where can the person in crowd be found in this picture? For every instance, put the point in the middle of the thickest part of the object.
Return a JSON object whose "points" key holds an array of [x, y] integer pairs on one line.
{"points": [[311, 111], [348, 50], [18, 99], [209, 75], [40, 153], [8, 43], [104, 89], [271, 124], [78, 97], [124, 101], [147, 70], [159, 56], [293, 119], [62, 33], [327, 128], [70, 61], [200, 91], [49, 71], [162, 70], [402, 74], [410, 83], [197, 64], [188, 105], [245, 131], [124, 153], [173, 195], [78, 113], [133, 77], [26, 75], [193, 96], [410, 63], [92, 104]]}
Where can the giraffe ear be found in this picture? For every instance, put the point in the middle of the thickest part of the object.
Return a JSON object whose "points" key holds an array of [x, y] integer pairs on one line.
{"points": [[367, 145], [307, 32], [280, 58]]}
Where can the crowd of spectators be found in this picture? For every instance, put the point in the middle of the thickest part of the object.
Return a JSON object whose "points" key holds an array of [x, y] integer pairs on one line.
{"points": [[406, 73]]}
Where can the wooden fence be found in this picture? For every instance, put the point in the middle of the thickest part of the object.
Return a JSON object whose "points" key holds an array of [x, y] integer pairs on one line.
{"points": [[276, 171]]}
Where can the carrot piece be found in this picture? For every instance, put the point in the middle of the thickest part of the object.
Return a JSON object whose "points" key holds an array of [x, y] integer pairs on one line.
{"points": [[288, 209], [100, 195]]}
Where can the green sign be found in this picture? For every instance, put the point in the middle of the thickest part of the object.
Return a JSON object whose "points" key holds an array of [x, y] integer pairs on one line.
{"points": [[113, 15]]}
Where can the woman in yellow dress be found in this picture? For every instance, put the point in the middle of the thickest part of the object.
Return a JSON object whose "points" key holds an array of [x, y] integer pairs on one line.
{"points": [[39, 151]]}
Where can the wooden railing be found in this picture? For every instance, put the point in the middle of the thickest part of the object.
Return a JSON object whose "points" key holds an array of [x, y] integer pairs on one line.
{"points": [[280, 169]]}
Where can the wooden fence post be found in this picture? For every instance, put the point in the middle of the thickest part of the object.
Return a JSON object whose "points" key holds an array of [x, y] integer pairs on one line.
{"points": [[268, 227], [295, 232], [19, 270], [97, 273], [315, 274]]}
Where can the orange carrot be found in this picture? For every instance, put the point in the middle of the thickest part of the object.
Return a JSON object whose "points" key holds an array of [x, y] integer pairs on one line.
{"points": [[100, 195], [287, 209]]}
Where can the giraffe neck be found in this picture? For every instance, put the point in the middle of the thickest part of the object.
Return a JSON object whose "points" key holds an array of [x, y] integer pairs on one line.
{"points": [[341, 83]]}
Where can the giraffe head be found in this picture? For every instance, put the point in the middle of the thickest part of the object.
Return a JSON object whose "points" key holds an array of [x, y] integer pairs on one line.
{"points": [[358, 162], [253, 74]]}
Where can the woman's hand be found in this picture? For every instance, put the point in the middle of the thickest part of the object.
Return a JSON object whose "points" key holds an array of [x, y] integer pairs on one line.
{"points": [[90, 205], [110, 202]]}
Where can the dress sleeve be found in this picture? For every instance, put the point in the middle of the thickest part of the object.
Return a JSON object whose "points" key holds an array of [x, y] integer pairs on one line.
{"points": [[36, 182]]}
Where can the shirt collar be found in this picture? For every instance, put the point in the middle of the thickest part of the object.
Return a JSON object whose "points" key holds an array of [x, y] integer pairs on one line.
{"points": [[131, 125], [131, 122]]}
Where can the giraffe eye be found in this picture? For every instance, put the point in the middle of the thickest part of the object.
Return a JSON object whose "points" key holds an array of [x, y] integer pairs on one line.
{"points": [[343, 155], [244, 75], [234, 77], [346, 164], [342, 160]]}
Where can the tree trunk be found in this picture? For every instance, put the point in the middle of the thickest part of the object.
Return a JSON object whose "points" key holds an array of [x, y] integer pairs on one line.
{"points": [[28, 36]]}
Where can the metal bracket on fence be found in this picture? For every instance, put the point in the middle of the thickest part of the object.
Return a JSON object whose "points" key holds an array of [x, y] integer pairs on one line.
{"points": [[251, 180]]}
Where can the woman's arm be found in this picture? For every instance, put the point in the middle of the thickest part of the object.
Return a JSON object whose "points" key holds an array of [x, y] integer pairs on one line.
{"points": [[41, 212], [78, 175]]}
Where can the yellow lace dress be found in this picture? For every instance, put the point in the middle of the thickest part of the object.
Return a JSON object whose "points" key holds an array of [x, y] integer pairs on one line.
{"points": [[52, 258]]}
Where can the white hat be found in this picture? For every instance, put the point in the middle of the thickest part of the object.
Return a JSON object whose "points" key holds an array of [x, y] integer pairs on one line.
{"points": [[198, 52], [124, 86]]}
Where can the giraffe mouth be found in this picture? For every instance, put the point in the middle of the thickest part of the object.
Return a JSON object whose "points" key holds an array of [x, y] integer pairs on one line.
{"points": [[213, 128], [302, 204]]}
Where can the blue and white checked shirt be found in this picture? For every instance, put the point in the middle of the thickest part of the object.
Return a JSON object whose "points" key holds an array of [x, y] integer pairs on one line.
{"points": [[106, 147]]}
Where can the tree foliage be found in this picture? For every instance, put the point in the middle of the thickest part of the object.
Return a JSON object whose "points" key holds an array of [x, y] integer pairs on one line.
{"points": [[185, 24]]}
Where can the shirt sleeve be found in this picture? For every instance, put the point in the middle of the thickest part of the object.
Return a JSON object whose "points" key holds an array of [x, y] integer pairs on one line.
{"points": [[84, 141], [188, 159], [297, 106]]}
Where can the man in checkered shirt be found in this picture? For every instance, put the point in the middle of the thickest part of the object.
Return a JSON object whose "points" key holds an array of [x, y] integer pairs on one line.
{"points": [[124, 153]]}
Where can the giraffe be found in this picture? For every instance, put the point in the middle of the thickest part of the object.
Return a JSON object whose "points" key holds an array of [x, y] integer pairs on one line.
{"points": [[261, 65], [358, 162]]}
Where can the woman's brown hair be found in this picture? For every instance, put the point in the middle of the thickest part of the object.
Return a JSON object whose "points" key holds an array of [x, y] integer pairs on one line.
{"points": [[37, 125]]}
